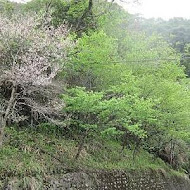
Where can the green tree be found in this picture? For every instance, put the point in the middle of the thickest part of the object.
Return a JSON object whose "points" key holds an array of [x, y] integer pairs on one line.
{"points": [[78, 14]]}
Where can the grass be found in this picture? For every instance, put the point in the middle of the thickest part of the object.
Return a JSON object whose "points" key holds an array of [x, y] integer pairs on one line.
{"points": [[111, 157], [31, 155]]}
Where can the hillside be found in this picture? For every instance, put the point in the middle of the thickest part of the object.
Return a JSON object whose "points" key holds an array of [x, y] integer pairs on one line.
{"points": [[83, 93]]}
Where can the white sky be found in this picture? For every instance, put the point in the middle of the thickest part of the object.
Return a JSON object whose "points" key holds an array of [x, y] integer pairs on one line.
{"points": [[161, 8], [20, 1], [158, 8]]}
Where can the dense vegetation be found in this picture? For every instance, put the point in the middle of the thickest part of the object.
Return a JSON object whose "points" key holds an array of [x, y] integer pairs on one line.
{"points": [[176, 32], [81, 87]]}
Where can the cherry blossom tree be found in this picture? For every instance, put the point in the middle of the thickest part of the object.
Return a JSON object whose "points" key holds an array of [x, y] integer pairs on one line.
{"points": [[31, 56]]}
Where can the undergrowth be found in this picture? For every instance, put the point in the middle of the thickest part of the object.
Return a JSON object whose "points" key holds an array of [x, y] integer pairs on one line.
{"points": [[30, 155]]}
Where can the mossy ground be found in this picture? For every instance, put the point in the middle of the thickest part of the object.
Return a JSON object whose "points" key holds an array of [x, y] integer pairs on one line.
{"points": [[33, 154]]}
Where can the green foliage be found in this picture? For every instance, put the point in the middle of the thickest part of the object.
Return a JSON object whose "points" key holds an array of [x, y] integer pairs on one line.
{"points": [[92, 61], [185, 59], [78, 14], [175, 30], [90, 110], [8, 8], [83, 108], [111, 132], [143, 96]]}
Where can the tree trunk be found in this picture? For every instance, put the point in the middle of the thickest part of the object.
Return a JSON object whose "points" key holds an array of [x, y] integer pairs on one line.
{"points": [[4, 117], [2, 126], [87, 13], [81, 144]]}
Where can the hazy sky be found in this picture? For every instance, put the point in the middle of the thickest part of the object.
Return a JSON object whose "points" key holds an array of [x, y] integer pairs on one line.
{"points": [[162, 8], [159, 8]]}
